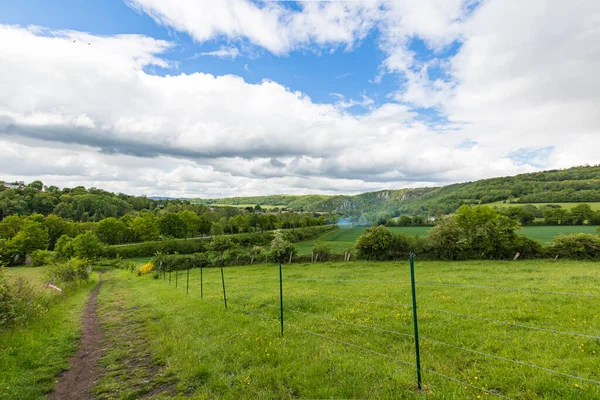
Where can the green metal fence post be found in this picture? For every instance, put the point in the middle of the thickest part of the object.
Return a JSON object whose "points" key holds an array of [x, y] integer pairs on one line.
{"points": [[224, 295], [281, 296], [187, 285], [416, 325]]}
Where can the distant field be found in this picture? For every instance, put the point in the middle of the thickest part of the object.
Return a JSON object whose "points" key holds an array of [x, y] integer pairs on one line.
{"points": [[342, 239], [567, 206], [545, 234], [246, 205]]}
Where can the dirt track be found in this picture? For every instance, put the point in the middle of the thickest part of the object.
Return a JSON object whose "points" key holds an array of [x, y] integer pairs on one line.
{"points": [[77, 382]]}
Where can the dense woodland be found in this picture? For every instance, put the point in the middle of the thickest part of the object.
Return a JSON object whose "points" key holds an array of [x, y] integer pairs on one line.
{"points": [[34, 217], [577, 184]]}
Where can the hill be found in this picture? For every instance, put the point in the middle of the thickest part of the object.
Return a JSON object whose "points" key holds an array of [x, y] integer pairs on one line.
{"points": [[577, 184]]}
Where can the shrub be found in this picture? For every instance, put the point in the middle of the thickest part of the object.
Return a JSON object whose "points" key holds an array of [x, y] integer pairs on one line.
{"points": [[63, 249], [19, 301], [375, 243], [321, 249], [281, 249], [87, 245], [71, 272], [41, 257], [576, 245], [145, 269]]}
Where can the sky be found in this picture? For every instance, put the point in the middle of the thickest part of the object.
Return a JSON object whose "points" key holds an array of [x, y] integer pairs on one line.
{"points": [[188, 98]]}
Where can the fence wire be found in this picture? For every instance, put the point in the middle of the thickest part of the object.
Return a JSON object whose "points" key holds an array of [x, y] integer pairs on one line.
{"points": [[450, 284], [515, 324], [398, 360], [448, 345]]}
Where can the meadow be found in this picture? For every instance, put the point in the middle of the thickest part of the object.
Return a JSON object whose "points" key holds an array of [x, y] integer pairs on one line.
{"points": [[525, 329], [567, 206], [32, 355], [344, 238]]}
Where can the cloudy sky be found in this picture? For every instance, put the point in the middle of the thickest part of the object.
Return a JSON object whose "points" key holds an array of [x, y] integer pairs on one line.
{"points": [[235, 97]]}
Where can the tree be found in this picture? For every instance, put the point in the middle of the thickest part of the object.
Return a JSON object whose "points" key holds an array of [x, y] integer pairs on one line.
{"points": [[63, 249], [56, 228], [144, 227], [375, 243], [172, 225], [111, 230], [10, 226], [216, 229], [581, 213], [191, 222], [281, 249], [204, 225], [87, 245], [33, 236]]}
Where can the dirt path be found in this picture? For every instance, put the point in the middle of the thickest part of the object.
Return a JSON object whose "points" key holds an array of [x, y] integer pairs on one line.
{"points": [[77, 382]]}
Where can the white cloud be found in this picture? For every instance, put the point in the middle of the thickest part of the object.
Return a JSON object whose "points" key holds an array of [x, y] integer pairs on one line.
{"points": [[525, 78], [270, 25], [224, 52]]}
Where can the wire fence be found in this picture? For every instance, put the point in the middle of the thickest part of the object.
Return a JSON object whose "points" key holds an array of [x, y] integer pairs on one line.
{"points": [[243, 291]]}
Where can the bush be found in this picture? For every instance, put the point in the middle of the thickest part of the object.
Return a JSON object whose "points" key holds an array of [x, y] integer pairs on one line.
{"points": [[576, 245], [281, 249], [19, 301], [145, 269], [173, 262], [87, 245], [63, 249], [322, 251], [375, 244], [199, 245], [41, 257], [71, 272]]}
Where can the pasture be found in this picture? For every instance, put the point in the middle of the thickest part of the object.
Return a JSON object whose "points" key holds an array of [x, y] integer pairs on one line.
{"points": [[567, 206], [343, 239], [525, 329]]}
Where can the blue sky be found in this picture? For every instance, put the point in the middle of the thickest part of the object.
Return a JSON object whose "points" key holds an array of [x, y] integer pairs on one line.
{"points": [[243, 97], [315, 72]]}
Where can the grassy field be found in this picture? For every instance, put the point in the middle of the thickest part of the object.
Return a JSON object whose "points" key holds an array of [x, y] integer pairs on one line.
{"points": [[342, 239], [485, 326], [594, 205], [32, 356]]}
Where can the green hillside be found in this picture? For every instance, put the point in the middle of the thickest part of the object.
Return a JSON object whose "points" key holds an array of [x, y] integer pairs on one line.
{"points": [[572, 185]]}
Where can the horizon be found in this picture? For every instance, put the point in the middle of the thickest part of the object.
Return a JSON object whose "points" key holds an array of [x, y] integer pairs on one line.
{"points": [[249, 98]]}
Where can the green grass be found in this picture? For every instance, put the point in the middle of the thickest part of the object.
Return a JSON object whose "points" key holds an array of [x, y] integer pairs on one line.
{"points": [[545, 234], [195, 348], [32, 356], [594, 205], [343, 239]]}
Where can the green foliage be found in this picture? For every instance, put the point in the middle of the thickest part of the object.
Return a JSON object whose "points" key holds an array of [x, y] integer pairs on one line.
{"points": [[19, 301], [172, 262], [172, 225], [323, 250], [576, 246], [87, 245], [63, 250], [111, 230], [72, 272], [41, 257], [10, 226], [281, 249], [375, 243], [144, 227]]}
